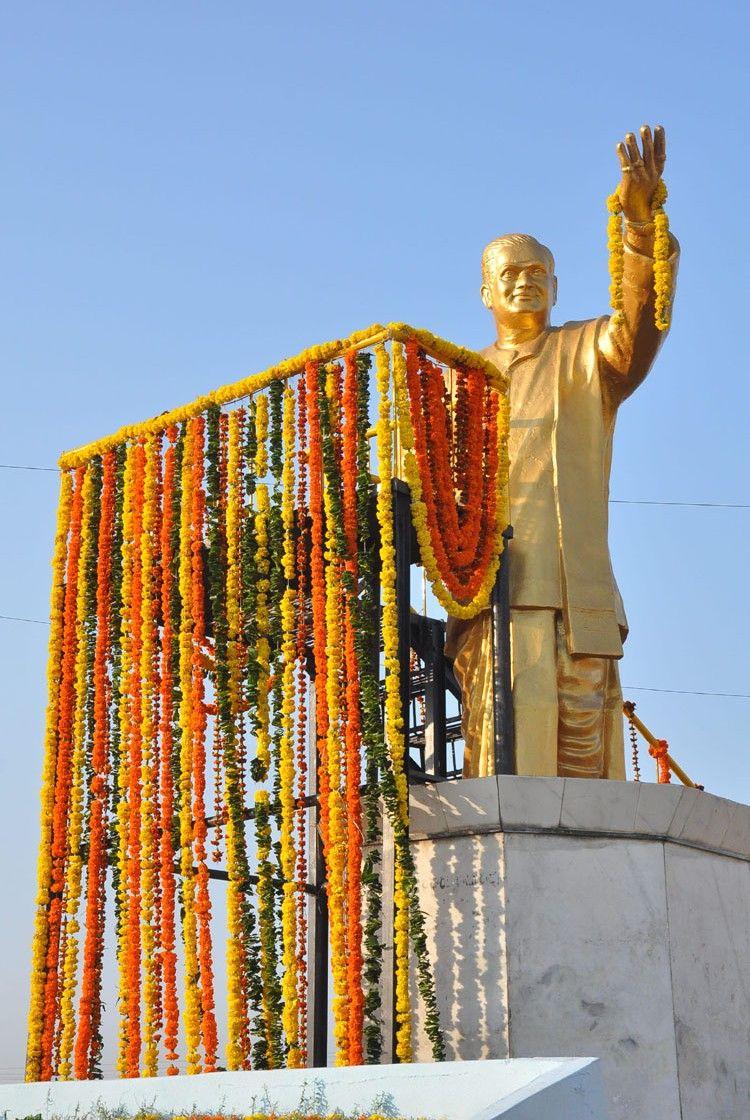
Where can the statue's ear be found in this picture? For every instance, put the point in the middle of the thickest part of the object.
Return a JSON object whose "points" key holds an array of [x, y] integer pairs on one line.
{"points": [[554, 290], [484, 292]]}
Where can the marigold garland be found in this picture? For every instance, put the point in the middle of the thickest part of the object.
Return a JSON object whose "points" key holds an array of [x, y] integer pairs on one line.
{"points": [[73, 872], [288, 854], [663, 279], [166, 748], [47, 797], [96, 865], [199, 586], [58, 846]]}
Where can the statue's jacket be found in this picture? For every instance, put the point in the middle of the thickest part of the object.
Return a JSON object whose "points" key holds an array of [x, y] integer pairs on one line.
{"points": [[591, 367]]}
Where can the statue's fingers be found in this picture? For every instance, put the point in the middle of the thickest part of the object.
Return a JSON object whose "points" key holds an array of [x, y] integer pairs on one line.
{"points": [[622, 155], [660, 148], [648, 150], [632, 146]]}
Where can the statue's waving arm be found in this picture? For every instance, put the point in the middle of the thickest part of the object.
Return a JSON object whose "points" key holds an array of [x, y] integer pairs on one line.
{"points": [[630, 340]]}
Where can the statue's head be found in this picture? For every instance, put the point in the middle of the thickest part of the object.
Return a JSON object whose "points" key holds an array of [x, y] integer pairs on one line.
{"points": [[519, 285]]}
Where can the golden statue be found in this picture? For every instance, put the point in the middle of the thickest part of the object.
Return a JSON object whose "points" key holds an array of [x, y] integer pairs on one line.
{"points": [[566, 384]]}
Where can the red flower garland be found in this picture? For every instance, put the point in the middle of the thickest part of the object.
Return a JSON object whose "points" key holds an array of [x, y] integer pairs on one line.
{"points": [[353, 726], [198, 713]]}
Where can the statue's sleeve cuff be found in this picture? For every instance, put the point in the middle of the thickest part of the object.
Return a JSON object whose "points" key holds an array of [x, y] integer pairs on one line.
{"points": [[638, 268]]}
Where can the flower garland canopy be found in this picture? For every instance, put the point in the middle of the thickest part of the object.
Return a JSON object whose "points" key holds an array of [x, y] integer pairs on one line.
{"points": [[208, 565]]}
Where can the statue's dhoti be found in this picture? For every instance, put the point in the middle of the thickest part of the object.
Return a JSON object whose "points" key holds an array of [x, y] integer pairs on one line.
{"points": [[567, 710]]}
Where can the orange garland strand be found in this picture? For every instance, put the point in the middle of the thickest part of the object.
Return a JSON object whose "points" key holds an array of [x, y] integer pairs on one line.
{"points": [[62, 781], [166, 787]]}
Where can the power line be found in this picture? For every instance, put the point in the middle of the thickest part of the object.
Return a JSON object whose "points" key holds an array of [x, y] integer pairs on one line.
{"points": [[687, 692], [15, 618], [612, 501], [23, 467], [690, 505]]}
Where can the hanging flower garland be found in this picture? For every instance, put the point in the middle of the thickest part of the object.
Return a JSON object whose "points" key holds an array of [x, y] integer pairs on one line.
{"points": [[288, 854], [47, 797], [663, 279], [166, 748], [58, 846], [124, 734], [96, 865], [300, 699], [73, 873], [337, 855], [268, 1048], [192, 1001]]}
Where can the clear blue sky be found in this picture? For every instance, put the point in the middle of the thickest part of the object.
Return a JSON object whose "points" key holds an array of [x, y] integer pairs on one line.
{"points": [[193, 190]]}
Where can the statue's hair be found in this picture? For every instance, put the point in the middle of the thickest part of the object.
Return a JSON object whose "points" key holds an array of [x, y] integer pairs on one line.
{"points": [[536, 247]]}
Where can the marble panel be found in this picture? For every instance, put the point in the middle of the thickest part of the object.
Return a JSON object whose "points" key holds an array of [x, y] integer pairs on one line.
{"points": [[426, 812], [708, 900], [532, 802], [588, 963], [684, 808], [599, 806], [737, 838], [471, 803], [656, 807], [461, 893], [707, 822]]}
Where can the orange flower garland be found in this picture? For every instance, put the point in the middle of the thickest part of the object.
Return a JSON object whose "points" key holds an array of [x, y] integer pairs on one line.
{"points": [[62, 781], [166, 744], [134, 747]]}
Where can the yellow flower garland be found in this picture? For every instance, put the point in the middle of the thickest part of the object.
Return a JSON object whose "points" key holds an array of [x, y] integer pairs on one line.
{"points": [[44, 863], [662, 268], [481, 600], [148, 834], [359, 340], [69, 946], [236, 1008], [123, 772], [336, 811], [394, 724], [289, 1014], [192, 1015]]}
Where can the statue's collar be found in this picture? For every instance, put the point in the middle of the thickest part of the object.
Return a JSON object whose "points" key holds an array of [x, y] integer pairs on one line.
{"points": [[505, 356]]}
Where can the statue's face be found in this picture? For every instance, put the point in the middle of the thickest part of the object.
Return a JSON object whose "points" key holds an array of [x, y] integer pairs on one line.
{"points": [[521, 286]]}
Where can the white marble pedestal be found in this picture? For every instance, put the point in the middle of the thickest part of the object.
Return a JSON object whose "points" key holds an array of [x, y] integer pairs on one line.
{"points": [[571, 917]]}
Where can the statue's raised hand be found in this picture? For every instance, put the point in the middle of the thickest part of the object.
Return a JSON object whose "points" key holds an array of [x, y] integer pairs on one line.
{"points": [[640, 172]]}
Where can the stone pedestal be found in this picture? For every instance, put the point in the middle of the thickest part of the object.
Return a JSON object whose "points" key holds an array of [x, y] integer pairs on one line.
{"points": [[592, 918]]}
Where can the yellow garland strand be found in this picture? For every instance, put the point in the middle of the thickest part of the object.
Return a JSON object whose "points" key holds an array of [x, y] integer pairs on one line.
{"points": [[289, 1014], [394, 724], [337, 852], [662, 269], [69, 948], [441, 349], [235, 999], [263, 621], [123, 771], [148, 835], [44, 863], [481, 600], [192, 1015]]}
